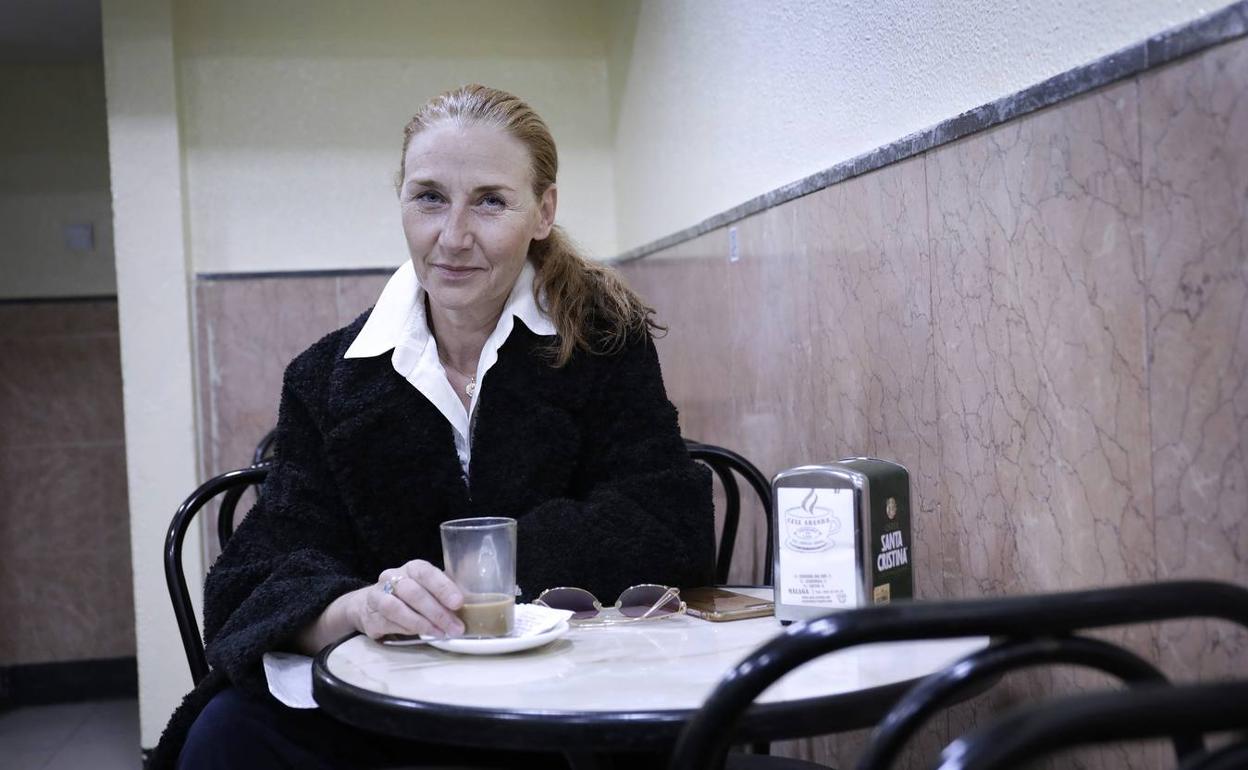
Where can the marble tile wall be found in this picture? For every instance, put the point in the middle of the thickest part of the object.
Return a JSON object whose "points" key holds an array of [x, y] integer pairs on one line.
{"points": [[65, 583], [815, 344], [1194, 143], [247, 330], [1037, 298], [1046, 321]]}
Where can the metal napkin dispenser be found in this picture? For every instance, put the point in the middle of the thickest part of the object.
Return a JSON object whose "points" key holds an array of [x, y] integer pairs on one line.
{"points": [[842, 537]]}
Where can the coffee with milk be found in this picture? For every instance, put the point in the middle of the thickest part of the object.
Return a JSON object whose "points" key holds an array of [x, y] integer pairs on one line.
{"points": [[479, 554]]}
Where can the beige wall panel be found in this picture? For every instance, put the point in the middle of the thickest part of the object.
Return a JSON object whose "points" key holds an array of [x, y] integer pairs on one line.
{"points": [[65, 546], [1195, 144], [814, 345], [248, 330], [1040, 361], [64, 528], [871, 337], [1041, 367]]}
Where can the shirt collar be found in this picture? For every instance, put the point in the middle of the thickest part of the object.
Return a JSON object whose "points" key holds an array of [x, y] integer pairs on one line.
{"points": [[399, 315]]}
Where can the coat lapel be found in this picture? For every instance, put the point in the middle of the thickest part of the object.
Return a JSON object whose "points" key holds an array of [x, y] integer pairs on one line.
{"points": [[393, 457], [393, 454], [527, 439]]}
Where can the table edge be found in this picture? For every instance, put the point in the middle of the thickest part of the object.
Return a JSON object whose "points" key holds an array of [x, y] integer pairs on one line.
{"points": [[547, 730]]}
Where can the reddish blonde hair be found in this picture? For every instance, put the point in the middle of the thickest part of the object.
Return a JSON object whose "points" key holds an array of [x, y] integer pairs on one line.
{"points": [[591, 306]]}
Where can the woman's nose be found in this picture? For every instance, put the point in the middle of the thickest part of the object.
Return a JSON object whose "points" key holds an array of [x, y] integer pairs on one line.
{"points": [[456, 232]]}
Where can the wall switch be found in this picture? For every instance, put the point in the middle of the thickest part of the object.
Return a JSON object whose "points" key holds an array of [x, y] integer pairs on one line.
{"points": [[79, 236], [734, 247]]}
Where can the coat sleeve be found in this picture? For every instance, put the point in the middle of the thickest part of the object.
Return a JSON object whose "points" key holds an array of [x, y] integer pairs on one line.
{"points": [[646, 514], [293, 554]]}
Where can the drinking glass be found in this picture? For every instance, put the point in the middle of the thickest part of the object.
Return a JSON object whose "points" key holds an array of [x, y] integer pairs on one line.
{"points": [[480, 556]]}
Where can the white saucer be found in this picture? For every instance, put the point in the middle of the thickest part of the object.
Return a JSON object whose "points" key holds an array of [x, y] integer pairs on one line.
{"points": [[499, 646]]}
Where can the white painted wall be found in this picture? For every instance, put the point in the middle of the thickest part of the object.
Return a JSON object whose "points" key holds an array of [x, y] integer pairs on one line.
{"points": [[292, 115], [53, 173], [719, 102], [155, 322]]}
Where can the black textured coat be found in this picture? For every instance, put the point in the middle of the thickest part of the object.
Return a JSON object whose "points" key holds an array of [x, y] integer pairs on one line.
{"points": [[588, 458]]}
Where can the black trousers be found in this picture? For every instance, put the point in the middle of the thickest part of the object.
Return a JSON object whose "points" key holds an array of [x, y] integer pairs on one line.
{"points": [[235, 732]]}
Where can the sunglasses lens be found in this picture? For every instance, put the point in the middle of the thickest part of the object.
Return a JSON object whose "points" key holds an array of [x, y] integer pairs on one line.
{"points": [[637, 601], [581, 602]]}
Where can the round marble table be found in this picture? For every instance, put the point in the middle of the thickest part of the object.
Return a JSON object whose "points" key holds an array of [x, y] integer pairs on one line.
{"points": [[620, 688]]}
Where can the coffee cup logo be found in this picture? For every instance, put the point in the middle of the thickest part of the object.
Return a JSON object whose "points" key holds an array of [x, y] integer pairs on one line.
{"points": [[810, 526]]}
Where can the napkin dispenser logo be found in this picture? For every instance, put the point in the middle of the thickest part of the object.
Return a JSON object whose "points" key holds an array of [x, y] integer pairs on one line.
{"points": [[809, 527], [842, 537]]}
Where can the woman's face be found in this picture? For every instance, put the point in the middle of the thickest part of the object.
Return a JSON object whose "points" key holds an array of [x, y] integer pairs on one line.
{"points": [[469, 213]]}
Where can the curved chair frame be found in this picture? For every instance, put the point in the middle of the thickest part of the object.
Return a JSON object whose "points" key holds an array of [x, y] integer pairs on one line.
{"points": [[980, 668], [263, 454], [723, 462], [233, 484], [264, 450], [704, 741], [1146, 712], [1233, 756]]}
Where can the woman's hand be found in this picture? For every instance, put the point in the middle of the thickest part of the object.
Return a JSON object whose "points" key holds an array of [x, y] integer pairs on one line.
{"points": [[421, 600], [417, 598]]}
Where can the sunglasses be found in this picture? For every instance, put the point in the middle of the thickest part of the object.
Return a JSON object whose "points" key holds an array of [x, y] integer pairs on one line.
{"points": [[641, 602]]}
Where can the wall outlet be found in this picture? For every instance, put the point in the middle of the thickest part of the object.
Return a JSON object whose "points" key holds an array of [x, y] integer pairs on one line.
{"points": [[79, 236]]}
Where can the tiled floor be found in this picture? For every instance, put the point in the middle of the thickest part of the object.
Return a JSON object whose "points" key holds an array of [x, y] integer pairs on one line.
{"points": [[95, 735]]}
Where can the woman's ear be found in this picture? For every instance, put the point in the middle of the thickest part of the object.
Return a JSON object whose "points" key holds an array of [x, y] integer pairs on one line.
{"points": [[546, 212]]}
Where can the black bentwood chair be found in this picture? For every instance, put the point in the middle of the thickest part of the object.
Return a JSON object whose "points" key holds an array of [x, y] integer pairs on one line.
{"points": [[230, 486], [265, 449], [1154, 711], [1233, 756], [724, 463], [1026, 630]]}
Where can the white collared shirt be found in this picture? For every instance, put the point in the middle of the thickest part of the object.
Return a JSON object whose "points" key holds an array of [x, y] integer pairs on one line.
{"points": [[398, 323]]}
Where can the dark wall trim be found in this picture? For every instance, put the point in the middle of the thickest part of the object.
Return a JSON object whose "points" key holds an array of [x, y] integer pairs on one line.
{"points": [[49, 300], [35, 684], [295, 274], [1223, 26]]}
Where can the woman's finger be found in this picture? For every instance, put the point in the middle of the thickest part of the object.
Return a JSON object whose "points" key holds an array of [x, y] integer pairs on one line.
{"points": [[386, 613], [390, 615], [435, 582], [425, 604]]}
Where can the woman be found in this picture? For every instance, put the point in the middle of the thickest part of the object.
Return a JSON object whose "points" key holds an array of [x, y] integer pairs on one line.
{"points": [[498, 374]]}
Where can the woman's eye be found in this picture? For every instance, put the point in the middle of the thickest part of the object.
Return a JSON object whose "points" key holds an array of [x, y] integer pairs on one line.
{"points": [[494, 201], [427, 196]]}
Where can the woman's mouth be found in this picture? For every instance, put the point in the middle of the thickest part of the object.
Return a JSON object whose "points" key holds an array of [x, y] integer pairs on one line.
{"points": [[455, 273]]}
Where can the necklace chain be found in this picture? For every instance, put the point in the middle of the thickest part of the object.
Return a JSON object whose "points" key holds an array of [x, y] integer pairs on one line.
{"points": [[470, 387]]}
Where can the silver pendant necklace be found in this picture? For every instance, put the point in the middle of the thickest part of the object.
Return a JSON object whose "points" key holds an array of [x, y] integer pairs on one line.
{"points": [[470, 387]]}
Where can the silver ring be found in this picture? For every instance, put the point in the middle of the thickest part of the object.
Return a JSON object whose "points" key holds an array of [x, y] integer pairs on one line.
{"points": [[387, 588]]}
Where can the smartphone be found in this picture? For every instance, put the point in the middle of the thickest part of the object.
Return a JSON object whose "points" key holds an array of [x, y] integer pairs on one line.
{"points": [[717, 604]]}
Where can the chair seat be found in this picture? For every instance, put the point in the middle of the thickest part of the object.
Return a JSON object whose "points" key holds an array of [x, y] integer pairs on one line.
{"points": [[769, 762]]}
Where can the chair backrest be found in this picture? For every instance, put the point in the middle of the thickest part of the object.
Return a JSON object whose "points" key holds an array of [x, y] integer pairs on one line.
{"points": [[1232, 756], [1156, 711], [704, 741], [726, 465], [264, 450], [980, 669], [230, 486]]}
